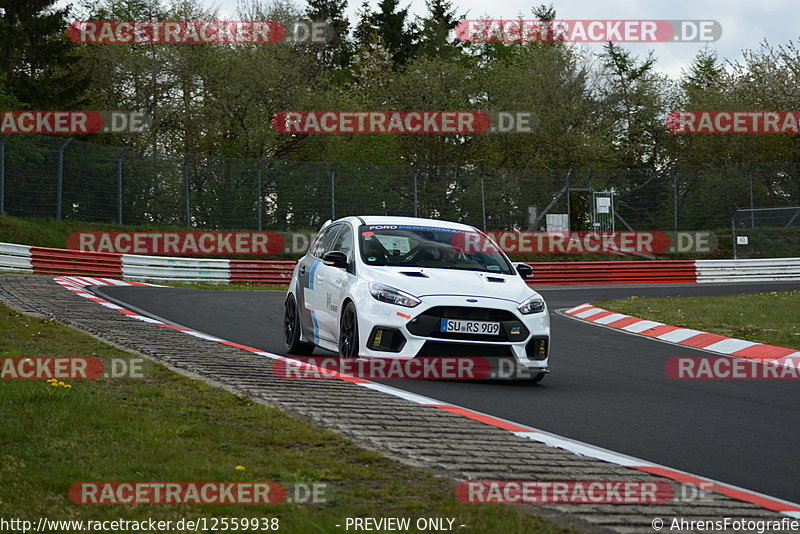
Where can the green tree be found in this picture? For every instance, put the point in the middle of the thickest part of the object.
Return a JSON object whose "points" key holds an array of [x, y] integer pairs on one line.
{"points": [[704, 72], [435, 28], [38, 59], [338, 52], [7, 100], [634, 102], [388, 26]]}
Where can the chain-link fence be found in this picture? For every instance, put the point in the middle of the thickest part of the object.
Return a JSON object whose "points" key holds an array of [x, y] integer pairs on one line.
{"points": [[766, 232], [62, 178]]}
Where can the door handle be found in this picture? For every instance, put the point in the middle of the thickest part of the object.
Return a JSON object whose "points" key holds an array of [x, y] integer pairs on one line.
{"points": [[302, 269]]}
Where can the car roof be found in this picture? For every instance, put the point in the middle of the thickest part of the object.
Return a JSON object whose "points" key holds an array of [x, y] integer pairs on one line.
{"points": [[411, 221]]}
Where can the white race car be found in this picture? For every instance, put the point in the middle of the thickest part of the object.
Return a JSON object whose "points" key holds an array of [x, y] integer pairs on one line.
{"points": [[403, 287]]}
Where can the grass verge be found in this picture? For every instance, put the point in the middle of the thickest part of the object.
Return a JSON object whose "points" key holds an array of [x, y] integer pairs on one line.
{"points": [[772, 318], [166, 427], [54, 234]]}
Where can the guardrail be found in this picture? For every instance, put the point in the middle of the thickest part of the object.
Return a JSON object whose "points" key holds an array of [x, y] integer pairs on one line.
{"points": [[164, 269], [758, 270], [613, 272], [59, 261], [22, 258], [15, 258]]}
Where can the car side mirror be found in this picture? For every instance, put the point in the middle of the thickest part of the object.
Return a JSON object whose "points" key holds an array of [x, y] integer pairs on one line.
{"points": [[336, 258], [524, 270]]}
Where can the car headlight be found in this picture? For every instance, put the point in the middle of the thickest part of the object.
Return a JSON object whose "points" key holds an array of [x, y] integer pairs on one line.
{"points": [[391, 295], [532, 305]]}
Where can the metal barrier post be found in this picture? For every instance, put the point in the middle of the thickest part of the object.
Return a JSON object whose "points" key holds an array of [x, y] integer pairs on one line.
{"points": [[569, 201], [752, 205], [60, 181], [415, 192], [119, 185], [186, 161], [333, 192], [483, 203], [3, 174], [675, 200], [258, 190]]}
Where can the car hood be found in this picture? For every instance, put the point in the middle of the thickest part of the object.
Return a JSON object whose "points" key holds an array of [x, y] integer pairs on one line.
{"points": [[451, 282]]}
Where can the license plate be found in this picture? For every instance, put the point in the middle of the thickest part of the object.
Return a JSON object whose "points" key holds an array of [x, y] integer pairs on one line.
{"points": [[470, 327]]}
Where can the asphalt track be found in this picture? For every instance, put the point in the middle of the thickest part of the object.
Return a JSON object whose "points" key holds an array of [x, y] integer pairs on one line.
{"points": [[606, 388]]}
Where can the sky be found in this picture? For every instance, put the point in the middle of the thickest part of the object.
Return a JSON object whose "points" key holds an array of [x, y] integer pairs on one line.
{"points": [[744, 23]]}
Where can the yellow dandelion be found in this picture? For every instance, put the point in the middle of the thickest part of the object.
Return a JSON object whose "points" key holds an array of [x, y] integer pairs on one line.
{"points": [[239, 468], [54, 384], [67, 386], [61, 383]]}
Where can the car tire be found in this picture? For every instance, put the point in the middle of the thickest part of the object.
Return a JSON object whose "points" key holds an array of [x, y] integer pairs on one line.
{"points": [[291, 330], [348, 333], [536, 378]]}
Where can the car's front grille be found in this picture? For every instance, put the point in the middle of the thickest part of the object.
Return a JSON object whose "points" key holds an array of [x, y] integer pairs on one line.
{"points": [[439, 349], [470, 313], [428, 324]]}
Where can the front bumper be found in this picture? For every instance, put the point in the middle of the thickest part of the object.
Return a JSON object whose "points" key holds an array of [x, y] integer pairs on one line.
{"points": [[391, 331]]}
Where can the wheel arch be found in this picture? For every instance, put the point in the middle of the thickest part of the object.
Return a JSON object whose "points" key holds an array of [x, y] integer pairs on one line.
{"points": [[347, 300]]}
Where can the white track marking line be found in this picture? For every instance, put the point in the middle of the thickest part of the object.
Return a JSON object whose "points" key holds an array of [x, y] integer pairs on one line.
{"points": [[730, 345], [95, 281], [576, 308], [610, 318], [203, 336], [585, 449], [113, 282], [147, 319], [681, 334], [641, 326], [403, 394], [588, 313]]}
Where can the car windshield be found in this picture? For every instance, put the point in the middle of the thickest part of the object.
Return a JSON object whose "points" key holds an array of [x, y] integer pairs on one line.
{"points": [[423, 246]]}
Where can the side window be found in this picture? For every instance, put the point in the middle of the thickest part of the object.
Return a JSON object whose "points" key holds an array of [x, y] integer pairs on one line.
{"points": [[316, 245], [324, 241], [344, 242]]}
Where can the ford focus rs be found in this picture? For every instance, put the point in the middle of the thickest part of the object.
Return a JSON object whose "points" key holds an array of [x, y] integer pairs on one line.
{"points": [[402, 288]]}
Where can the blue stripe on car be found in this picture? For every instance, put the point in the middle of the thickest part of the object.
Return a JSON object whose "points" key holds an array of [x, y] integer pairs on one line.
{"points": [[313, 313], [316, 327], [311, 275]]}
